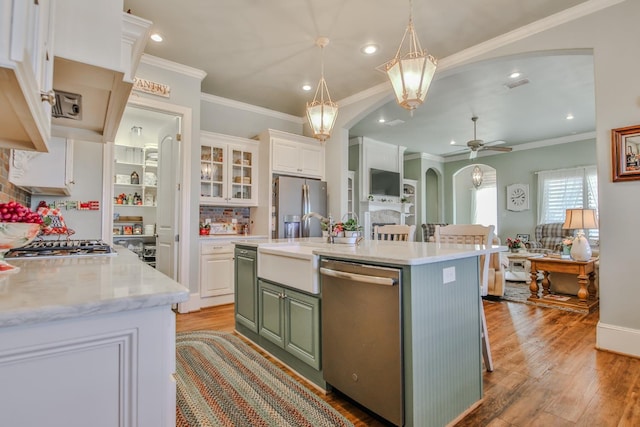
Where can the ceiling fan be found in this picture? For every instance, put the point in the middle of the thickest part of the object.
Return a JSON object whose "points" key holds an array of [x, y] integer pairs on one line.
{"points": [[476, 144]]}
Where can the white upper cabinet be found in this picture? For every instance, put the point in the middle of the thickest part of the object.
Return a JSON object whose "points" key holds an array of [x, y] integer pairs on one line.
{"points": [[44, 173], [26, 69], [97, 50], [74, 84], [228, 170], [295, 154]]}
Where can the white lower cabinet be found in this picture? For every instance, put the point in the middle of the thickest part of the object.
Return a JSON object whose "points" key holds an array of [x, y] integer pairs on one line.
{"points": [[107, 370], [216, 273]]}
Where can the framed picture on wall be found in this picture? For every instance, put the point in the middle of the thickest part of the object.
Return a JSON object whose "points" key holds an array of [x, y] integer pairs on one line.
{"points": [[625, 153]]}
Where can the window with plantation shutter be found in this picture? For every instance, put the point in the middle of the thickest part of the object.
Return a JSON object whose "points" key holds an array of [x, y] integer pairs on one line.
{"points": [[559, 190]]}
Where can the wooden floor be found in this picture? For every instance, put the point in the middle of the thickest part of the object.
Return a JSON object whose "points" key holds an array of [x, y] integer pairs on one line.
{"points": [[547, 371]]}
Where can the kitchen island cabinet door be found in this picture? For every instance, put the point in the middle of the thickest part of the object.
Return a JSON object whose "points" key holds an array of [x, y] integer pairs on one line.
{"points": [[291, 320], [302, 327], [246, 292], [271, 312]]}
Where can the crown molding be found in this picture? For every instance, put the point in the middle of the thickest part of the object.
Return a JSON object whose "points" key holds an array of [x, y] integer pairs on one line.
{"points": [[552, 21], [424, 156], [172, 66], [226, 102]]}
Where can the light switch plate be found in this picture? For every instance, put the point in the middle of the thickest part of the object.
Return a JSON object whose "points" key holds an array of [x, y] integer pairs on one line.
{"points": [[448, 275]]}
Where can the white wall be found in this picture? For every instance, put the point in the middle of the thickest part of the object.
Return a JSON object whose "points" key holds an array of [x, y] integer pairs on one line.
{"points": [[87, 174]]}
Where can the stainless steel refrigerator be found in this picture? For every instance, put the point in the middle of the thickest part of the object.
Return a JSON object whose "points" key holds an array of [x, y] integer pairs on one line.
{"points": [[295, 197]]}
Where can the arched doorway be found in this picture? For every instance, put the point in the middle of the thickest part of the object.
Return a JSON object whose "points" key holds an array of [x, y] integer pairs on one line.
{"points": [[475, 203], [431, 197]]}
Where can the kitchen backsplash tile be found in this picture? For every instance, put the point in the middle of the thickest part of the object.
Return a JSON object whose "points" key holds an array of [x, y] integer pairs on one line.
{"points": [[224, 214]]}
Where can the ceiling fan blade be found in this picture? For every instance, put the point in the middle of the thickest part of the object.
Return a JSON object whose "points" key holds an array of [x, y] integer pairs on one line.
{"points": [[504, 149]]}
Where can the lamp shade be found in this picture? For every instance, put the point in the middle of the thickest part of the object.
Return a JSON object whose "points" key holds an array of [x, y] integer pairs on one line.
{"points": [[411, 70], [477, 176], [580, 219], [322, 113], [410, 78]]}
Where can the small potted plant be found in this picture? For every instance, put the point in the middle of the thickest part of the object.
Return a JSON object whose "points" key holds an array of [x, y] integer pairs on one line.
{"points": [[351, 227], [566, 245], [514, 244], [338, 229], [204, 229]]}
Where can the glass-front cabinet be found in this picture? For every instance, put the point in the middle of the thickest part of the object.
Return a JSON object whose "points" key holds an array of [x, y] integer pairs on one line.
{"points": [[228, 170]]}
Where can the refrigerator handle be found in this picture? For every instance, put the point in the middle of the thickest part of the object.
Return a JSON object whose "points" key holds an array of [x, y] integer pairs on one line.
{"points": [[306, 208]]}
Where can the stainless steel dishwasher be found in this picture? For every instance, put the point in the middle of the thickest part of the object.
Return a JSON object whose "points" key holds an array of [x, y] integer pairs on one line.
{"points": [[362, 335]]}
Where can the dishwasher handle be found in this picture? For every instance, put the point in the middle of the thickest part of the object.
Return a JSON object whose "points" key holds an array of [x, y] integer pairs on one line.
{"points": [[374, 280]]}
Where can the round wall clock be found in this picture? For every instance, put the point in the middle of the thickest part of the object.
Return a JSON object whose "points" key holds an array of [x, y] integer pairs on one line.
{"points": [[518, 197]]}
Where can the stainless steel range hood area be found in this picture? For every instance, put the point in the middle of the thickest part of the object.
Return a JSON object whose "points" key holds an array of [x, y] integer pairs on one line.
{"points": [[104, 96]]}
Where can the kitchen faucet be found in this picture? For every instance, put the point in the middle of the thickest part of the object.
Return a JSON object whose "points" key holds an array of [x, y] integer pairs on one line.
{"points": [[328, 221]]}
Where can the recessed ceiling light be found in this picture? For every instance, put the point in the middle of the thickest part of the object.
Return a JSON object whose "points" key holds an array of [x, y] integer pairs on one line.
{"points": [[306, 87], [156, 37], [452, 142], [369, 49], [569, 116], [381, 120], [514, 75]]}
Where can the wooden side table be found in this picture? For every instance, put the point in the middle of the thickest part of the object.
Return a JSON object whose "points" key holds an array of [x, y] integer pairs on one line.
{"points": [[586, 299]]}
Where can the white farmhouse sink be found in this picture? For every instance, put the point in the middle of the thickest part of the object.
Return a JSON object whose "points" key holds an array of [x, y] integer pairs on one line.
{"points": [[290, 265]]}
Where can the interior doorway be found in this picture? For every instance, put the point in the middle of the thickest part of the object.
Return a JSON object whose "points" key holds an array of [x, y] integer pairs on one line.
{"points": [[475, 202], [145, 163]]}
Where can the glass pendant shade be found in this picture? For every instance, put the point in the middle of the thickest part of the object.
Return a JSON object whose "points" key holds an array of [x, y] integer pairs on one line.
{"points": [[477, 176], [322, 113], [411, 71]]}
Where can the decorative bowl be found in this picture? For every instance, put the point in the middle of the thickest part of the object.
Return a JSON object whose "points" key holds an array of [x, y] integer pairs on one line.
{"points": [[15, 235]]}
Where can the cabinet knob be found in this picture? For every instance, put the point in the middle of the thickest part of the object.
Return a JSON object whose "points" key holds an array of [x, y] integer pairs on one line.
{"points": [[49, 97]]}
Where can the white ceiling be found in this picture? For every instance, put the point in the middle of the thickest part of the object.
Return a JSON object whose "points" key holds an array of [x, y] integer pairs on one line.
{"points": [[262, 52]]}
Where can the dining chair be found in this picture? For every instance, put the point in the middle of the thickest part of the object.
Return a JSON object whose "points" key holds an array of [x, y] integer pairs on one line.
{"points": [[394, 232], [473, 234]]}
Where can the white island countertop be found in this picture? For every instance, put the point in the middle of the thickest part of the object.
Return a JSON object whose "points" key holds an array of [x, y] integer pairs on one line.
{"points": [[61, 288], [398, 253]]}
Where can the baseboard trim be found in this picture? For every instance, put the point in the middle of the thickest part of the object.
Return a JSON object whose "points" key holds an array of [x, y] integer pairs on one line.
{"points": [[618, 339]]}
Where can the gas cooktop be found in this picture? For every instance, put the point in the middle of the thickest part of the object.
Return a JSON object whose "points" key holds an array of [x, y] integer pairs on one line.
{"points": [[61, 248]]}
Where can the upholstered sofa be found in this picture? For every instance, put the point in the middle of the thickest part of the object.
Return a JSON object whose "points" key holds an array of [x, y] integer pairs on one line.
{"points": [[497, 263], [547, 238]]}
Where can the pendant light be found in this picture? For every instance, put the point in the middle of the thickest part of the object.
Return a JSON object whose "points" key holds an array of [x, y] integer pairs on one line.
{"points": [[477, 176], [412, 70], [321, 112]]}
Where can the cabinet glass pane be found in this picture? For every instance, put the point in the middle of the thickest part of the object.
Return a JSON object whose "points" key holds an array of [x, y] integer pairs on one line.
{"points": [[205, 153], [205, 171], [205, 189], [217, 154]]}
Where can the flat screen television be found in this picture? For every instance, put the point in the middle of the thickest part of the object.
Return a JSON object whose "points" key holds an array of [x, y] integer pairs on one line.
{"points": [[384, 183]]}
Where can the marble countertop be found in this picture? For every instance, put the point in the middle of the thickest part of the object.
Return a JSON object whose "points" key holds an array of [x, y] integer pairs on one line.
{"points": [[398, 253], [230, 236], [60, 288]]}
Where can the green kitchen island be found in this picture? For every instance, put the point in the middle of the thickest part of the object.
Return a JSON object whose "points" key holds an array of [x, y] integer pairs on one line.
{"points": [[439, 331]]}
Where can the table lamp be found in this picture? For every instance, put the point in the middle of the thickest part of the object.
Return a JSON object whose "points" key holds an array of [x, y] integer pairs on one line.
{"points": [[580, 219]]}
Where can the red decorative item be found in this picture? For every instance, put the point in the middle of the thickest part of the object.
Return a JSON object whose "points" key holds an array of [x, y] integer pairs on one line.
{"points": [[56, 224]]}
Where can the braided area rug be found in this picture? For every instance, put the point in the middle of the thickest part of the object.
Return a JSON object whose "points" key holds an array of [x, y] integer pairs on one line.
{"points": [[221, 381]]}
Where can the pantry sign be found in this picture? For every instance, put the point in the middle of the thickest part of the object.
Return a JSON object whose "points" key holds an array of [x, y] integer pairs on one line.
{"points": [[147, 86]]}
